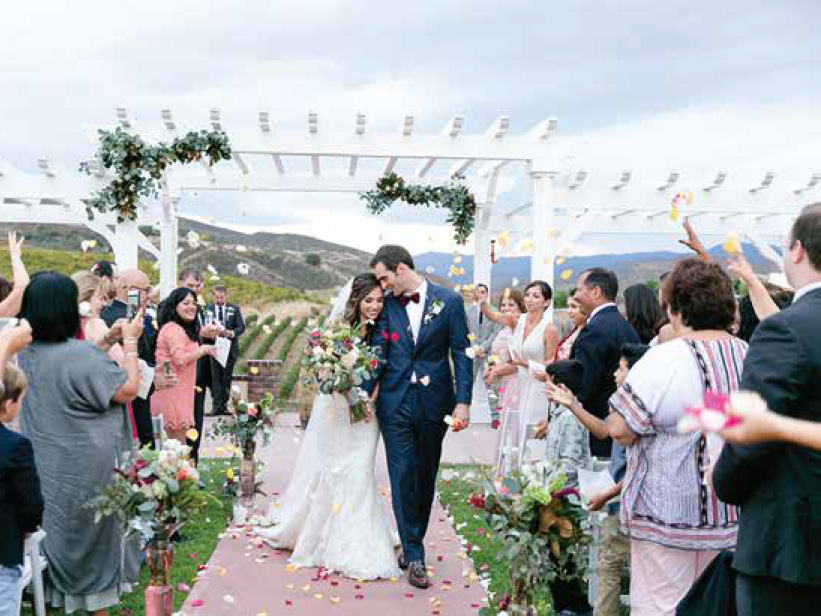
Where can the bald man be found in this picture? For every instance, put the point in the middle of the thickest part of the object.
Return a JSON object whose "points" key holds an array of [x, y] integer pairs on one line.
{"points": [[124, 282]]}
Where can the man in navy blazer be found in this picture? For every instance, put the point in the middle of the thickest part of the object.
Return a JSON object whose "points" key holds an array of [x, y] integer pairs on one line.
{"points": [[598, 346], [778, 485], [422, 328]]}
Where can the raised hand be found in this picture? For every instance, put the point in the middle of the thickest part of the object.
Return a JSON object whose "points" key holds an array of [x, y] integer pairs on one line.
{"points": [[560, 394], [134, 329], [693, 242], [16, 338], [21, 277], [739, 266]]}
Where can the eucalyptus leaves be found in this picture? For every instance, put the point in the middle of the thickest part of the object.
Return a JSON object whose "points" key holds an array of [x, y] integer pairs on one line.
{"points": [[454, 197], [139, 166]]}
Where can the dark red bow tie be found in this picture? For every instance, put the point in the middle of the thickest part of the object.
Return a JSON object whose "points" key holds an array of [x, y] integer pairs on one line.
{"points": [[405, 299]]}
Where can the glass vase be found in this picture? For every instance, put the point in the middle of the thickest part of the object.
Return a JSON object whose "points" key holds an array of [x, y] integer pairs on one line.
{"points": [[247, 473], [159, 595]]}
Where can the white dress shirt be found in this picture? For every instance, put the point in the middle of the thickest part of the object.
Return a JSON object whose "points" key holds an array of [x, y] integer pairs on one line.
{"points": [[416, 310], [804, 290]]}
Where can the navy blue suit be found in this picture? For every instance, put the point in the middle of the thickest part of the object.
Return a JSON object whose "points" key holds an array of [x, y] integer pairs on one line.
{"points": [[598, 348], [411, 415], [21, 503]]}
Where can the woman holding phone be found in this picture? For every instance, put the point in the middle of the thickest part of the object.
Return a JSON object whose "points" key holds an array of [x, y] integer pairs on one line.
{"points": [[179, 345]]}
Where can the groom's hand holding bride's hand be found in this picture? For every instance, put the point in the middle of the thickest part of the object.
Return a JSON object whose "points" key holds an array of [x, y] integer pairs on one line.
{"points": [[461, 416]]}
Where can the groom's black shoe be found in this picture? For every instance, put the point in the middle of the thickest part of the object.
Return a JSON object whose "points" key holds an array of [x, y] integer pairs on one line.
{"points": [[418, 575], [402, 561]]}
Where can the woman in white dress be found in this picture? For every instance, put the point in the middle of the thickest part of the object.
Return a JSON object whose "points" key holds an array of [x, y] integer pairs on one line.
{"points": [[331, 515], [534, 339]]}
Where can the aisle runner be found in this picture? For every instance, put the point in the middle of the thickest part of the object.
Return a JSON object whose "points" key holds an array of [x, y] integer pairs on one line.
{"points": [[246, 577]]}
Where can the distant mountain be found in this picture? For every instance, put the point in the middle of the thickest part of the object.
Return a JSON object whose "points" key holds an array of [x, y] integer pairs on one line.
{"points": [[306, 263], [631, 268], [282, 260]]}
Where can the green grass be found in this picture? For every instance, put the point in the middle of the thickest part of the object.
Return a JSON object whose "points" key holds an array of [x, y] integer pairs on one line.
{"points": [[292, 336], [199, 541], [252, 318], [269, 340]]}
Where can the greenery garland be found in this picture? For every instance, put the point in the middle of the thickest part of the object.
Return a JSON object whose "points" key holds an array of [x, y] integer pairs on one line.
{"points": [[455, 197], [139, 166]]}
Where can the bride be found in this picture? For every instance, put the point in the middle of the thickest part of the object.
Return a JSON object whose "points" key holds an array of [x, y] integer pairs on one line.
{"points": [[330, 515]]}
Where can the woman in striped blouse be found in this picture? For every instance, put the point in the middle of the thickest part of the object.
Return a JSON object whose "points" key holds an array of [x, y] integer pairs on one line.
{"points": [[675, 522]]}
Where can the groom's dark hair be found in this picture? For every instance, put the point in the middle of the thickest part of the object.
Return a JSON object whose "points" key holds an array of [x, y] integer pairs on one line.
{"points": [[391, 256]]}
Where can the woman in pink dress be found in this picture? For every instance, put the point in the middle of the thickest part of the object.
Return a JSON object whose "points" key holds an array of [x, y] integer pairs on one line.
{"points": [[577, 320], [502, 372], [178, 345]]}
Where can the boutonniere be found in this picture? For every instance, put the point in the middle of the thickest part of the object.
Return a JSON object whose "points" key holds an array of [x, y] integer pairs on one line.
{"points": [[436, 306]]}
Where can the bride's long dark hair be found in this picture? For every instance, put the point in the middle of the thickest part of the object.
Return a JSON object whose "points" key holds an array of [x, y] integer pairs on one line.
{"points": [[361, 286]]}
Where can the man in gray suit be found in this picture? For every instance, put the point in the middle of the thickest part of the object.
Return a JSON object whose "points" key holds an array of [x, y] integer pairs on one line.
{"points": [[483, 329]]}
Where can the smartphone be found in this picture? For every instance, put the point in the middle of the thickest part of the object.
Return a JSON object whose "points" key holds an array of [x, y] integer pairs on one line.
{"points": [[133, 303], [167, 367], [8, 322]]}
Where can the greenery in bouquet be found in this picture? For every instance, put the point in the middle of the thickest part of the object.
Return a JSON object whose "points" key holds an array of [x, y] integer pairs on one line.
{"points": [[154, 493], [339, 361], [246, 422], [542, 527]]}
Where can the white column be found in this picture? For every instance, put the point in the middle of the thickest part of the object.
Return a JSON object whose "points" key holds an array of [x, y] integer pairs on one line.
{"points": [[169, 240], [545, 235], [481, 249], [124, 244]]}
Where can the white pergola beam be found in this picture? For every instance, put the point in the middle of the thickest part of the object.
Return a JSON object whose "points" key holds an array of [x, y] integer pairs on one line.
{"points": [[168, 119], [543, 130], [499, 128]]}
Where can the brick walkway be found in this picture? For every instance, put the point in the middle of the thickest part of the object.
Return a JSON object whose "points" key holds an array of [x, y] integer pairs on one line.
{"points": [[246, 577]]}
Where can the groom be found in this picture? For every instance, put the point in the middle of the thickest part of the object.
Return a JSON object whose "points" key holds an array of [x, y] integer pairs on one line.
{"points": [[421, 327]]}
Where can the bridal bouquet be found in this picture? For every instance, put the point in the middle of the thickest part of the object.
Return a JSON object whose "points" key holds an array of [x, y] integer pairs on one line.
{"points": [[339, 361], [154, 493]]}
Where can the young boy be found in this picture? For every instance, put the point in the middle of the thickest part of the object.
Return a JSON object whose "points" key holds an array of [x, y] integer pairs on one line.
{"points": [[568, 442], [21, 503]]}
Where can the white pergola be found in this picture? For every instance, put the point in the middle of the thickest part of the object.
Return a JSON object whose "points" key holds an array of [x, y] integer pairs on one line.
{"points": [[565, 202]]}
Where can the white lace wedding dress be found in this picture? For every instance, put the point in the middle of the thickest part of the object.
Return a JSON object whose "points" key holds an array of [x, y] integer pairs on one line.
{"points": [[331, 515]]}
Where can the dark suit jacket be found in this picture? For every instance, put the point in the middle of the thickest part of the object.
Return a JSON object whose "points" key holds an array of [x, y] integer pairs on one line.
{"points": [[233, 322], [146, 345], [778, 485], [21, 503], [442, 337], [598, 348], [113, 312]]}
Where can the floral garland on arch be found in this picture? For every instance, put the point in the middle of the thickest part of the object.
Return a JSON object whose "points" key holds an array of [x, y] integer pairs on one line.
{"points": [[139, 166], [455, 197]]}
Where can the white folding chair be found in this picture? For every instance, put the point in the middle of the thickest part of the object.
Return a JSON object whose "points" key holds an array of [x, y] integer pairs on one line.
{"points": [[34, 563]]}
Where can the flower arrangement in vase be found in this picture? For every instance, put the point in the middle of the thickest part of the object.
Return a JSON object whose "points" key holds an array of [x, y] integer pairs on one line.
{"points": [[247, 422], [543, 530], [154, 494]]}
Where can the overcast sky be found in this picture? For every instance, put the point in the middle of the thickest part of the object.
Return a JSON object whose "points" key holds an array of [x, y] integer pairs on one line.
{"points": [[644, 84]]}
